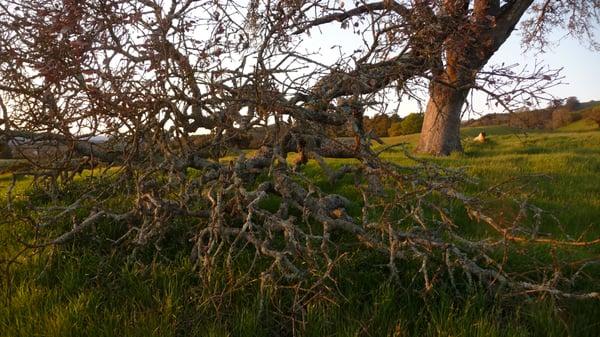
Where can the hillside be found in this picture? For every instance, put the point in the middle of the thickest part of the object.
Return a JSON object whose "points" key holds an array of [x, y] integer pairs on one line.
{"points": [[93, 289], [548, 118]]}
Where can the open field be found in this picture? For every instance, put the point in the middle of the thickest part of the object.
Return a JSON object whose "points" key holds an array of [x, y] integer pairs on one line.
{"points": [[89, 288]]}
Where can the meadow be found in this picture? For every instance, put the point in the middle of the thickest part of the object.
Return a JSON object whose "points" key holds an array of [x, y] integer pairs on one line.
{"points": [[90, 288]]}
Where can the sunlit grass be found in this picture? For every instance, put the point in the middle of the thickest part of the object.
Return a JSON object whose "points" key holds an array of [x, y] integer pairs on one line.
{"points": [[94, 289]]}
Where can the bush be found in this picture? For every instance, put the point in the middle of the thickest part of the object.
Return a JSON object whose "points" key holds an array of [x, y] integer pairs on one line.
{"points": [[395, 129], [592, 113], [5, 152], [536, 119], [561, 117], [379, 124], [409, 125], [572, 103]]}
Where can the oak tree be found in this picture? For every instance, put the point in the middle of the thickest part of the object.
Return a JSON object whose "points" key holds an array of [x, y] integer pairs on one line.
{"points": [[156, 99]]}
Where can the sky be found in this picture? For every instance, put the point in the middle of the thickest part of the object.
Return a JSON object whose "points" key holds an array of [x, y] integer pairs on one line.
{"points": [[581, 66]]}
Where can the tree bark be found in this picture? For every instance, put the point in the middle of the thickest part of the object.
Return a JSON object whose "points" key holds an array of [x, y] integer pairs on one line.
{"points": [[5, 152], [440, 134], [467, 51]]}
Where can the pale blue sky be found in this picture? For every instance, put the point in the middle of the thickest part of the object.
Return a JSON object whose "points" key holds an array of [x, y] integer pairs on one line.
{"points": [[581, 66]]}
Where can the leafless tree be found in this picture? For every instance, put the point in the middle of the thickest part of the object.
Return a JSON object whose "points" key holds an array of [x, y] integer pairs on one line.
{"points": [[155, 77]]}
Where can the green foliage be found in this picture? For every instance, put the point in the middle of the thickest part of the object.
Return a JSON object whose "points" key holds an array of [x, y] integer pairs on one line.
{"points": [[5, 152], [555, 116], [93, 288], [592, 113], [379, 124], [572, 104], [409, 125], [395, 129], [563, 116], [582, 125]]}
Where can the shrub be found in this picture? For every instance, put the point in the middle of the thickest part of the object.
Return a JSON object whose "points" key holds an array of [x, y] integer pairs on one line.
{"points": [[412, 123], [592, 113], [5, 152], [572, 103], [561, 117], [395, 129], [536, 119], [379, 124]]}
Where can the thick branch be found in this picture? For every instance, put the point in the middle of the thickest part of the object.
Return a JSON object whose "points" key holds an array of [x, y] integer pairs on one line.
{"points": [[83, 147], [389, 5]]}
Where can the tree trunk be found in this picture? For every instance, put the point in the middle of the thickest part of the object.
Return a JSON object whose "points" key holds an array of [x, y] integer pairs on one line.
{"points": [[465, 52], [5, 152], [440, 134]]}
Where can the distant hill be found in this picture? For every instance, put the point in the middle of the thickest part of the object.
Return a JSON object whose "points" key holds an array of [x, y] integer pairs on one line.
{"points": [[554, 117], [589, 104]]}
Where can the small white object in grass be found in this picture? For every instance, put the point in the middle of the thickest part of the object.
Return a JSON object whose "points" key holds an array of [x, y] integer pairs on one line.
{"points": [[480, 138]]}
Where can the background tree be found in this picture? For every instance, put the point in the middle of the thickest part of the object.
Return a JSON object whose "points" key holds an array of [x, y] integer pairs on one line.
{"points": [[592, 113], [5, 151], [413, 123], [395, 129], [572, 103], [561, 117], [380, 124]]}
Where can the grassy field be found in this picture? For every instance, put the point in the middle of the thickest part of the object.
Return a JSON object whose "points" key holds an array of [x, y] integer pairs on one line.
{"points": [[92, 289]]}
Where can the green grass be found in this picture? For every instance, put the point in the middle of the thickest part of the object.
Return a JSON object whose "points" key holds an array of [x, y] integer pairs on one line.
{"points": [[568, 160], [581, 125], [93, 289]]}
